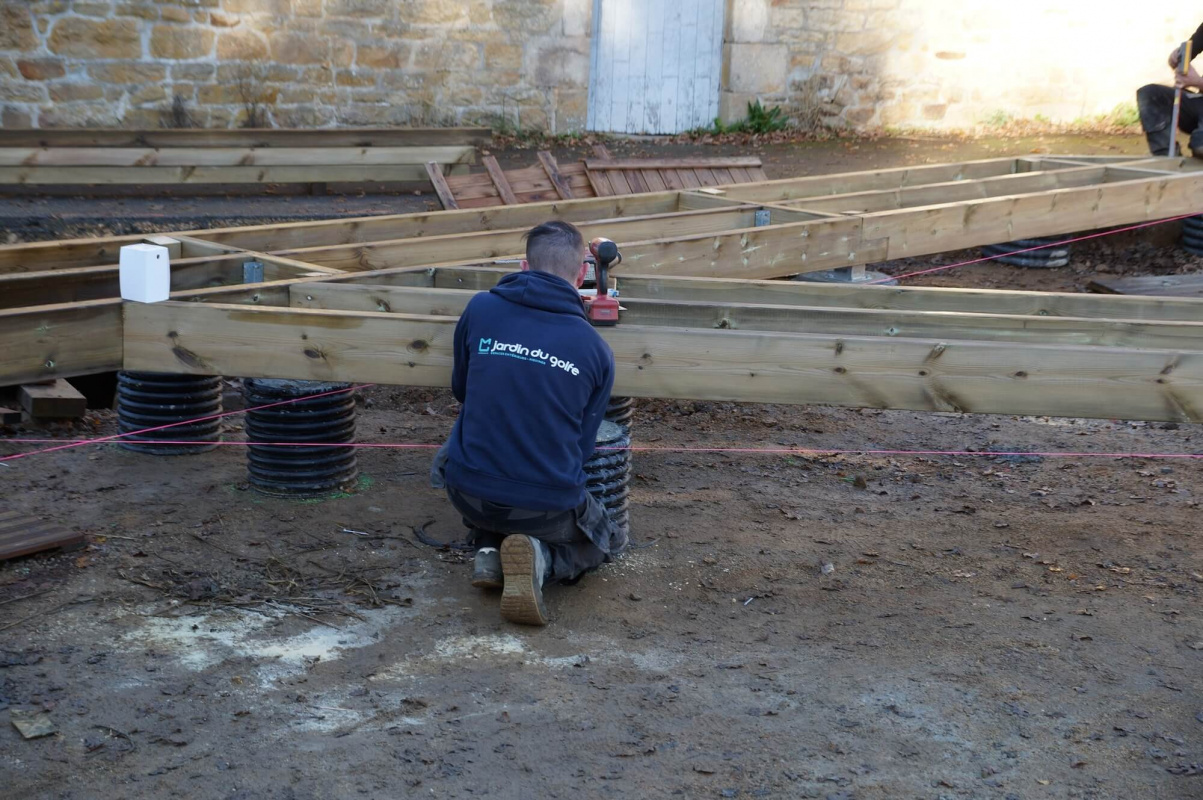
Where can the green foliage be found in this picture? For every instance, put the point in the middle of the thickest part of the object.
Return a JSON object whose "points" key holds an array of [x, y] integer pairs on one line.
{"points": [[1125, 115], [999, 119], [759, 120]]}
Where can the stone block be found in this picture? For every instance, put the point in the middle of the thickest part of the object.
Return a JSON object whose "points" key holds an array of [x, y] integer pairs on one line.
{"points": [[243, 45], [383, 56], [307, 8], [23, 92], [358, 8], [438, 57], [870, 42], [733, 106], [79, 115], [70, 92], [934, 112], [431, 12], [351, 77], [174, 14], [8, 67], [749, 21], [859, 116], [527, 17], [127, 72], [757, 68], [198, 73], [146, 95], [41, 69], [12, 117], [577, 18], [220, 19], [342, 52], [289, 48], [180, 44], [142, 118], [562, 66], [85, 38], [499, 55], [138, 10], [99, 10], [276, 8]]}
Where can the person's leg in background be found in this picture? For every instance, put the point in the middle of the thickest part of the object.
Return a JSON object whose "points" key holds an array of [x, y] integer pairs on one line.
{"points": [[1156, 106]]}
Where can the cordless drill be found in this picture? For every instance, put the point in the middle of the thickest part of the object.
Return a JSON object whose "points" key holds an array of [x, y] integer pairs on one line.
{"points": [[602, 309]]}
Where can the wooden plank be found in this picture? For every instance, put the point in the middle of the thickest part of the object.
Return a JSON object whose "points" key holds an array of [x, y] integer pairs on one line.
{"points": [[985, 301], [600, 183], [1151, 285], [669, 163], [498, 177], [955, 191], [872, 372], [843, 183], [22, 535], [106, 176], [548, 162], [232, 156], [635, 180], [939, 228], [435, 173], [55, 400], [60, 341], [244, 137], [653, 179], [619, 181], [790, 318]]}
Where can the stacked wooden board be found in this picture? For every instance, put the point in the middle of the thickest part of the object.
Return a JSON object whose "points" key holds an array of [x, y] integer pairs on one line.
{"points": [[41, 158], [376, 299], [602, 176]]}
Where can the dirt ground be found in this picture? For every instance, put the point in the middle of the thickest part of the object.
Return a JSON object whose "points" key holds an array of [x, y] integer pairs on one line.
{"points": [[789, 626]]}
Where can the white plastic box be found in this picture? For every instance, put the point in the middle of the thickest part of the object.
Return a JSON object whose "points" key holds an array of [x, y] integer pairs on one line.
{"points": [[145, 273]]}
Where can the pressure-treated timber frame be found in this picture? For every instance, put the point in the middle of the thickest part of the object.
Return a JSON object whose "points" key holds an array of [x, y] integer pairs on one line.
{"points": [[376, 299]]}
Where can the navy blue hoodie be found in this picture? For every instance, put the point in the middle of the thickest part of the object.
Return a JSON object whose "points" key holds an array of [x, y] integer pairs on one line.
{"points": [[534, 378]]}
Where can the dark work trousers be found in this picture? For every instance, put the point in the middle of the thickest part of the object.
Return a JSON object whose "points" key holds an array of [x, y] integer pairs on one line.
{"points": [[579, 539], [1156, 106]]}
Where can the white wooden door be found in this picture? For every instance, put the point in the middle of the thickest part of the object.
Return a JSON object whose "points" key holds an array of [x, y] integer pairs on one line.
{"points": [[656, 65]]}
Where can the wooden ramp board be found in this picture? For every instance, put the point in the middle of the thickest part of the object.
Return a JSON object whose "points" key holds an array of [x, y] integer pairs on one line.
{"points": [[1152, 285], [21, 535]]}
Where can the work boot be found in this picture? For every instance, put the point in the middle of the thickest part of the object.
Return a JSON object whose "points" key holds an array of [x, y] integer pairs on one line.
{"points": [[486, 568], [524, 561]]}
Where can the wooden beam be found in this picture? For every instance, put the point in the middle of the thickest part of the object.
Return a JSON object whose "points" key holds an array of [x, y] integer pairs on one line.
{"points": [[915, 374], [791, 318], [60, 341], [244, 137], [548, 162], [802, 293], [94, 283], [139, 158], [874, 180], [670, 163], [441, 188], [54, 400], [107, 176], [497, 175]]}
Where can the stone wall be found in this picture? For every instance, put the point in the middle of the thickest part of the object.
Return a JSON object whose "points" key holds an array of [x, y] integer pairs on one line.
{"points": [[303, 63], [947, 63], [525, 63]]}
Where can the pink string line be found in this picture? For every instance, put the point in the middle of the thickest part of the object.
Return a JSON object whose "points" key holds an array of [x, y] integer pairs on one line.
{"points": [[1029, 249], [82, 442], [805, 451]]}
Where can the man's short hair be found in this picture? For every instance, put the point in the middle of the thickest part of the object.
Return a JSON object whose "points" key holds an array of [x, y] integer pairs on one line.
{"points": [[556, 247]]}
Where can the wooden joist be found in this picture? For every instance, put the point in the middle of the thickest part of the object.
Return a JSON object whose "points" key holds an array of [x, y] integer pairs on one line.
{"points": [[245, 137], [861, 371], [1151, 285]]}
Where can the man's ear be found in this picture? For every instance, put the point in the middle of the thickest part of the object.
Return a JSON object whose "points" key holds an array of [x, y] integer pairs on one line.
{"points": [[580, 275], [525, 265]]}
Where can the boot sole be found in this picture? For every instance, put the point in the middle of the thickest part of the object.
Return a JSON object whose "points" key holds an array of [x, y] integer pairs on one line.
{"points": [[522, 595], [487, 583]]}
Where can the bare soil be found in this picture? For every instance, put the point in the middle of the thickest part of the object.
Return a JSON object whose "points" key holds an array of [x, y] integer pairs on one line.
{"points": [[790, 625]]}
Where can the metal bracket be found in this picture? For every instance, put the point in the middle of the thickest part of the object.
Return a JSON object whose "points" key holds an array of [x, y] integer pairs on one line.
{"points": [[252, 272], [762, 217]]}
